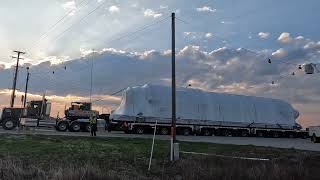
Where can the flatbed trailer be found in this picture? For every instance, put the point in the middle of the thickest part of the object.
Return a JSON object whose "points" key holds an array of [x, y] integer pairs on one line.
{"points": [[164, 128]]}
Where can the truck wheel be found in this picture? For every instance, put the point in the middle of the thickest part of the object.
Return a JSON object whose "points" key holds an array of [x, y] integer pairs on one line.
{"points": [[62, 126], [8, 124], [75, 126], [164, 131], [139, 130], [87, 127]]}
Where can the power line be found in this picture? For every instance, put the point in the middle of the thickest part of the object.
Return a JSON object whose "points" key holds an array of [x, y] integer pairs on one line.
{"points": [[52, 27], [83, 18], [137, 31]]}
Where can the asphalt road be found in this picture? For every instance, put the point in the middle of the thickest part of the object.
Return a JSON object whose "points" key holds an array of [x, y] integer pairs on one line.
{"points": [[296, 143]]}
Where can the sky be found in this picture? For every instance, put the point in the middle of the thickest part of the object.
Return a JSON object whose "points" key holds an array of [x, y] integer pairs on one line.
{"points": [[222, 46]]}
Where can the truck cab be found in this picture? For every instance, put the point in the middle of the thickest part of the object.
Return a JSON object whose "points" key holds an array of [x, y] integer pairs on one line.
{"points": [[80, 110], [10, 117]]}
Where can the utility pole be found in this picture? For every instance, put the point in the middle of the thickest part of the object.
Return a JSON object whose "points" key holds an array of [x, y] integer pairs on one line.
{"points": [[26, 88], [174, 146], [91, 76], [15, 77]]}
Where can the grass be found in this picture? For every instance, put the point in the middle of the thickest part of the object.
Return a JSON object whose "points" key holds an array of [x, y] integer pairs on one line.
{"points": [[67, 158]]}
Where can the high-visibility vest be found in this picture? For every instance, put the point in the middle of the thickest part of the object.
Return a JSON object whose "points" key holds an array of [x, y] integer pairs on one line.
{"points": [[93, 120]]}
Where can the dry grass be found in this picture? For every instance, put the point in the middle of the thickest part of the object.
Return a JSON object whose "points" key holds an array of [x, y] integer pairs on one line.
{"points": [[65, 158]]}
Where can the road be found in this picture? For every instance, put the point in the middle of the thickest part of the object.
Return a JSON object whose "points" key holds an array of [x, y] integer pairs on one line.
{"points": [[302, 144]]}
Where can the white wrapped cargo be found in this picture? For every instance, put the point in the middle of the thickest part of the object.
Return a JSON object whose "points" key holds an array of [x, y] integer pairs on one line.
{"points": [[153, 102]]}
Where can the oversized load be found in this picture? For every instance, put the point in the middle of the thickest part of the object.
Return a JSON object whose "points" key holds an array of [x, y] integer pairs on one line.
{"points": [[149, 103]]}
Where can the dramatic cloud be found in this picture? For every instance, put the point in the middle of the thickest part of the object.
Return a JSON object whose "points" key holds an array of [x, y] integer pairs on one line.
{"points": [[206, 9], [114, 9], [263, 35], [151, 13], [239, 71], [284, 37]]}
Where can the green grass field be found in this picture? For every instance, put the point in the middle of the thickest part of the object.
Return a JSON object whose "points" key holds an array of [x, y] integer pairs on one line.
{"points": [[62, 157]]}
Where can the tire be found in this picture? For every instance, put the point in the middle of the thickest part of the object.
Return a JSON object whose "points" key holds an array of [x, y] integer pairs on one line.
{"points": [[62, 126], [304, 136], [291, 135], [164, 131], [87, 127], [186, 132], [139, 130], [315, 139], [206, 132], [244, 133], [75, 126], [260, 134], [226, 133], [275, 134], [9, 124]]}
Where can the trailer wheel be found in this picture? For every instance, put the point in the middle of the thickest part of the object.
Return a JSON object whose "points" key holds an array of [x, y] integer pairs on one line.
{"points": [[9, 124], [186, 132], [164, 131], [260, 134], [314, 138], [207, 132], [139, 130], [304, 136], [226, 133], [75, 126], [291, 135], [62, 126], [244, 133], [275, 134]]}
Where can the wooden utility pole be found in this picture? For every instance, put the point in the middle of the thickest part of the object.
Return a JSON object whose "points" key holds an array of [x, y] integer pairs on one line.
{"points": [[26, 88], [173, 88], [15, 77]]}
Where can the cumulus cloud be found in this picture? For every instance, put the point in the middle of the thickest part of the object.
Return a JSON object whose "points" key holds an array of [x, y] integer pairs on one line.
{"points": [[279, 53], [151, 13], [114, 9], [284, 37], [206, 9], [198, 35], [263, 35], [208, 35]]}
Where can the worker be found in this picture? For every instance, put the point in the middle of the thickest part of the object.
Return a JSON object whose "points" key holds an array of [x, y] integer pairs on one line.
{"points": [[93, 124]]}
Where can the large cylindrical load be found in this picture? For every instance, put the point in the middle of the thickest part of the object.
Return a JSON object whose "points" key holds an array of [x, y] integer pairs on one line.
{"points": [[153, 102]]}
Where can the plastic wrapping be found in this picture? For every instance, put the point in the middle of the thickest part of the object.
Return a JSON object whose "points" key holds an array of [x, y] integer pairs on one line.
{"points": [[196, 106]]}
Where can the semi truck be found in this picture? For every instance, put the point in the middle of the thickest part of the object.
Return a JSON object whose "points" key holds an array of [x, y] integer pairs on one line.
{"points": [[37, 113], [204, 113], [11, 116]]}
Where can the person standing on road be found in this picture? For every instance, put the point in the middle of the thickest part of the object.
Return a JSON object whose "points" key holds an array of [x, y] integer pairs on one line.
{"points": [[93, 124]]}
